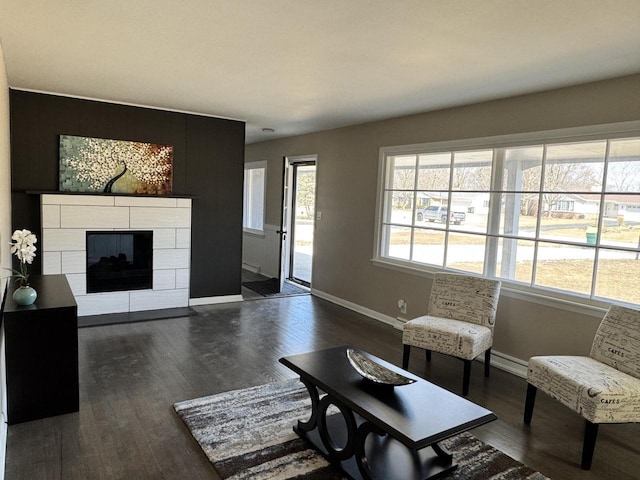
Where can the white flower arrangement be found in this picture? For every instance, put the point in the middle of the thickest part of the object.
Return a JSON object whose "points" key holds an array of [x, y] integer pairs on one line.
{"points": [[23, 246]]}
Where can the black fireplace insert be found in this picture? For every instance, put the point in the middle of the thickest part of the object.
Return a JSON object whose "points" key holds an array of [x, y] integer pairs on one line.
{"points": [[119, 260]]}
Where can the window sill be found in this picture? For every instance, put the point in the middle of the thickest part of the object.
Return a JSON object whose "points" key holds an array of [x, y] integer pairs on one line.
{"points": [[539, 296]]}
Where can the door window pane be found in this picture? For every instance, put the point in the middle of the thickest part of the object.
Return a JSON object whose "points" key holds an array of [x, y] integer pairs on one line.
{"points": [[304, 179]]}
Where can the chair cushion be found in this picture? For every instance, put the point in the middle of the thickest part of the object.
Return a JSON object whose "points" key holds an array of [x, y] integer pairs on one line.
{"points": [[598, 392], [451, 337], [617, 341], [464, 297]]}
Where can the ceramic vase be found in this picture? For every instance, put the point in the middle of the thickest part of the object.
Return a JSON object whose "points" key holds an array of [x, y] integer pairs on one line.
{"points": [[25, 295]]}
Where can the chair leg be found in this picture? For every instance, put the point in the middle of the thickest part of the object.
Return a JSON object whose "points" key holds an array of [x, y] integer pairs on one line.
{"points": [[428, 353], [590, 435], [529, 403], [487, 362], [405, 356], [465, 377]]}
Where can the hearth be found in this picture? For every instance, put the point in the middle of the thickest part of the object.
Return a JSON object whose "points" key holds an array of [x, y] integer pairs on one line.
{"points": [[119, 260]]}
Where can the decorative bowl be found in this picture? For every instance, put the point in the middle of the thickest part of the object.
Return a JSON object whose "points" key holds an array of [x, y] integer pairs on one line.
{"points": [[375, 372]]}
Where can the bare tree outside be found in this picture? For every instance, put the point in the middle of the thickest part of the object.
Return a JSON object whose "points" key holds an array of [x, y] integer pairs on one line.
{"points": [[623, 176], [472, 178], [306, 192], [559, 179], [567, 177], [403, 181]]}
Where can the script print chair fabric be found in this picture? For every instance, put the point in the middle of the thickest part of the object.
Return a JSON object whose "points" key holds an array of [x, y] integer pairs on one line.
{"points": [[459, 321], [603, 387]]}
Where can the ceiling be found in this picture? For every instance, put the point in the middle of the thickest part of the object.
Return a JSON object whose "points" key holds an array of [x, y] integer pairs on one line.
{"points": [[299, 66]]}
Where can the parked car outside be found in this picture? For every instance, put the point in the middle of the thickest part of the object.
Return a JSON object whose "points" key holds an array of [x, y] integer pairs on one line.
{"points": [[439, 213]]}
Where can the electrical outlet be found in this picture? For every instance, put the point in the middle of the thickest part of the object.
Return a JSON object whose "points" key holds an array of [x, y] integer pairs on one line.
{"points": [[402, 305]]}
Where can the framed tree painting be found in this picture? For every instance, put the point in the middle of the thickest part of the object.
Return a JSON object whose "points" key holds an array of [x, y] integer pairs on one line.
{"points": [[115, 166]]}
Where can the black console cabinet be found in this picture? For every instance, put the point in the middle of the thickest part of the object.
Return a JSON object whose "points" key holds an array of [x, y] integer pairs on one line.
{"points": [[41, 351]]}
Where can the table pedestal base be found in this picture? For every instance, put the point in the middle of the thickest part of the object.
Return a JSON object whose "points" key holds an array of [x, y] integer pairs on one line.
{"points": [[364, 451]]}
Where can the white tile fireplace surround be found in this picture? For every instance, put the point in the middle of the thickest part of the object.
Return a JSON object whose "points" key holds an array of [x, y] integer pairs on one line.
{"points": [[66, 219]]}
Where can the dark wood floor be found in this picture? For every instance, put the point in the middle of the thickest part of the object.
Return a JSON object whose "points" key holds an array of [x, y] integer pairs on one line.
{"points": [[131, 374]]}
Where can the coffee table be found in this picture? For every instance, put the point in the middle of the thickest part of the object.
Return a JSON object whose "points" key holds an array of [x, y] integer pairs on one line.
{"points": [[383, 432]]}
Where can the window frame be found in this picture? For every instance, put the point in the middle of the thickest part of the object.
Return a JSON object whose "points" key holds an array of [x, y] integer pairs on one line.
{"points": [[262, 164], [542, 295]]}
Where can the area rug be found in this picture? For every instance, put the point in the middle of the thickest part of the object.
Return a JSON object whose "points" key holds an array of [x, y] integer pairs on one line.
{"points": [[247, 434], [269, 288]]}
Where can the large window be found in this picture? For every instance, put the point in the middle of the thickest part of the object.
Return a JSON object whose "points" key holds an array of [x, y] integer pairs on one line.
{"points": [[560, 216], [255, 177]]}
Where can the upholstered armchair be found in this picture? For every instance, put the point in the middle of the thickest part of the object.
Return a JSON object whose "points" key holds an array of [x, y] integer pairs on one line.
{"points": [[603, 387], [459, 321]]}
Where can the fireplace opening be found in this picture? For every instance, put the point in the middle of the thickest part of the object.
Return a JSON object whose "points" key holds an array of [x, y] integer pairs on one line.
{"points": [[119, 261]]}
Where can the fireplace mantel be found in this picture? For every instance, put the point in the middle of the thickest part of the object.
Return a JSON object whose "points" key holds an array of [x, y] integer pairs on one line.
{"points": [[66, 219], [102, 194]]}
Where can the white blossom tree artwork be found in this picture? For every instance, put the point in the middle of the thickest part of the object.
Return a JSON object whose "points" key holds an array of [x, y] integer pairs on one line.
{"points": [[115, 166]]}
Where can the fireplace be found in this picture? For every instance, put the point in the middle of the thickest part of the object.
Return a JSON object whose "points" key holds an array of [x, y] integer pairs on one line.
{"points": [[119, 260], [66, 220]]}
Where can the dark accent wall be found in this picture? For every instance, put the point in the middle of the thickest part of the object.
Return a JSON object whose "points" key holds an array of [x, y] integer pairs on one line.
{"points": [[208, 165]]}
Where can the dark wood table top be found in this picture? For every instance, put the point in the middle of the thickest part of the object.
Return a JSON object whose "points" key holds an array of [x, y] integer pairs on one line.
{"points": [[419, 414], [53, 292]]}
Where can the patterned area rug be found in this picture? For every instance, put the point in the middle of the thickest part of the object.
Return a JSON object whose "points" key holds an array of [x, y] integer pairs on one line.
{"points": [[247, 434]]}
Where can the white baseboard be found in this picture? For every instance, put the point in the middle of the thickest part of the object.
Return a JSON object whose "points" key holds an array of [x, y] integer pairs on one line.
{"points": [[499, 360], [358, 308], [400, 322], [251, 268], [215, 300], [509, 364]]}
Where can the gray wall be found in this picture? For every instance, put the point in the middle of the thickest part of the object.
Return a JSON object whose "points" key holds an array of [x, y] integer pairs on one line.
{"points": [[346, 195], [5, 235]]}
